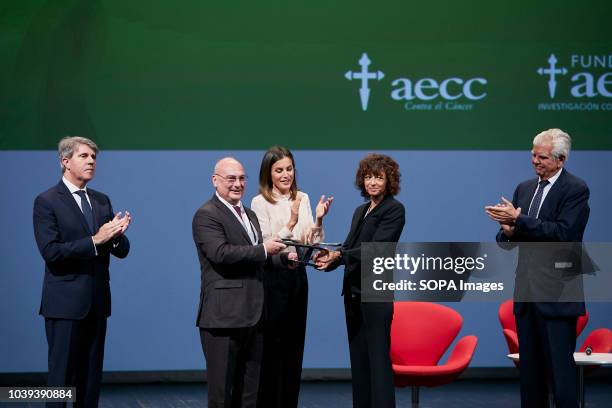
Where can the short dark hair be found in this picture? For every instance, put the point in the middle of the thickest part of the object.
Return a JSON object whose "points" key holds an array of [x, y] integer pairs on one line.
{"points": [[375, 164], [274, 154]]}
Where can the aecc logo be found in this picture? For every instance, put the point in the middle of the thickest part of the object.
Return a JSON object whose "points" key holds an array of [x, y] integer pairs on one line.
{"points": [[424, 89]]}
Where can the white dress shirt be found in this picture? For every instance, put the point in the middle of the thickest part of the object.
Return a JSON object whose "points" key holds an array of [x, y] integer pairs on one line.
{"points": [[243, 218], [73, 189], [551, 181]]}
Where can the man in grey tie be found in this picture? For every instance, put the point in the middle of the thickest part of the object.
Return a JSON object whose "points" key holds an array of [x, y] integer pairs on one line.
{"points": [[550, 208], [76, 231]]}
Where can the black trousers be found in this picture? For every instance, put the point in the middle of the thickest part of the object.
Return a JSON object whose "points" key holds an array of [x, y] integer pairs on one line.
{"points": [[233, 365], [369, 335], [286, 304], [546, 347], [76, 353]]}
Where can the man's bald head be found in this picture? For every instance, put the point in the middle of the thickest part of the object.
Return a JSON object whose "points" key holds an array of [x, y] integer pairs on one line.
{"points": [[229, 179], [226, 162]]}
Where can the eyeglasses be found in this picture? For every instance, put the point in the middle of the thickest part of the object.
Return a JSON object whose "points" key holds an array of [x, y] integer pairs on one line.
{"points": [[233, 179]]}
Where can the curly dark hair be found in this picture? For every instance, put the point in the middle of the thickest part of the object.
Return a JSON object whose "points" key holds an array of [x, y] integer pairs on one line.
{"points": [[376, 164]]}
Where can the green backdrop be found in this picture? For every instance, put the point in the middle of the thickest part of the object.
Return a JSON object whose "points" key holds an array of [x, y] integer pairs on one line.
{"points": [[191, 74]]}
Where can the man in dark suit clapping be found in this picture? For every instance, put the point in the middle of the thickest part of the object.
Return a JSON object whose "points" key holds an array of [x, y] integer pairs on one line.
{"points": [[550, 208], [76, 232], [232, 254]]}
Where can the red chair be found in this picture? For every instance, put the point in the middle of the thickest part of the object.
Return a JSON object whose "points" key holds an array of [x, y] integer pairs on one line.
{"points": [[508, 323], [421, 333], [600, 341]]}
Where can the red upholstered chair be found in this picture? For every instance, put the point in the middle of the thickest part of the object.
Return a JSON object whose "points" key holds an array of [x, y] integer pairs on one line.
{"points": [[600, 341], [508, 323], [421, 333]]}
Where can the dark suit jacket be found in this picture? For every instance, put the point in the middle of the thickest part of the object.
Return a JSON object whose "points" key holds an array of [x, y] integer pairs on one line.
{"points": [[75, 278], [383, 224], [231, 268], [563, 218]]}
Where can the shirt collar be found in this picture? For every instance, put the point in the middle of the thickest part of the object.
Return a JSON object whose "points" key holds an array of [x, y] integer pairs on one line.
{"points": [[227, 204], [280, 196], [72, 187], [554, 178]]}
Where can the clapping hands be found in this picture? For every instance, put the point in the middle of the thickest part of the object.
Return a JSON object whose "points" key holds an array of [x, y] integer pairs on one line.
{"points": [[505, 214], [113, 228], [323, 207]]}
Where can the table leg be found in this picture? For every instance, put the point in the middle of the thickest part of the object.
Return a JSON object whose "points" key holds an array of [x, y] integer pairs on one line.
{"points": [[581, 385], [415, 396]]}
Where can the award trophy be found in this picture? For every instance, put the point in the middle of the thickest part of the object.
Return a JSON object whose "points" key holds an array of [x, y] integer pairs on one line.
{"points": [[305, 251]]}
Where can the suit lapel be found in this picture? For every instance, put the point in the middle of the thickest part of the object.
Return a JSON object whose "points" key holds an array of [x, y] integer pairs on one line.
{"points": [[95, 207], [356, 226], [233, 220], [255, 222], [362, 217], [67, 198], [525, 200], [553, 196], [383, 204]]}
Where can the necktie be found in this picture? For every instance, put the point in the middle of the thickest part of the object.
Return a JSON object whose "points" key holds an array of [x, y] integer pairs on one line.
{"points": [[248, 230], [86, 208], [537, 199]]}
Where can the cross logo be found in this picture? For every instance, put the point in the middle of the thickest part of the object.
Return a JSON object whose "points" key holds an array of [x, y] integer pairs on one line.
{"points": [[551, 71], [364, 75]]}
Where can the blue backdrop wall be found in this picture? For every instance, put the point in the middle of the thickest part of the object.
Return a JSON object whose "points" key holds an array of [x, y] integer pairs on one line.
{"points": [[156, 289]]}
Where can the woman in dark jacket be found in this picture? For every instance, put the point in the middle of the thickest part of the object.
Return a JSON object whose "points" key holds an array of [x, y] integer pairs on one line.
{"points": [[380, 219]]}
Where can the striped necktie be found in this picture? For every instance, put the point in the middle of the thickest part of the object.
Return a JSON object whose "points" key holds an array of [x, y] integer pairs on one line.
{"points": [[537, 199]]}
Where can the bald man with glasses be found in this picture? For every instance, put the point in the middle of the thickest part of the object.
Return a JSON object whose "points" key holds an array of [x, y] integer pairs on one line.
{"points": [[232, 254]]}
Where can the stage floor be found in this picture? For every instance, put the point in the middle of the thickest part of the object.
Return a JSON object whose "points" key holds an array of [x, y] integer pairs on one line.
{"points": [[337, 394]]}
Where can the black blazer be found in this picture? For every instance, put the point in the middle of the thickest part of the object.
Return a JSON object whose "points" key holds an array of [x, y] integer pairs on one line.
{"points": [[231, 294], [383, 224], [563, 217], [75, 278]]}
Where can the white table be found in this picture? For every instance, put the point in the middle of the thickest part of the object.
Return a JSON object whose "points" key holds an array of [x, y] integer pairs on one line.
{"points": [[582, 360]]}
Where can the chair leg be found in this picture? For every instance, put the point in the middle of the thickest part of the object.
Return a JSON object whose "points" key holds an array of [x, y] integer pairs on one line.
{"points": [[415, 397], [581, 385]]}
